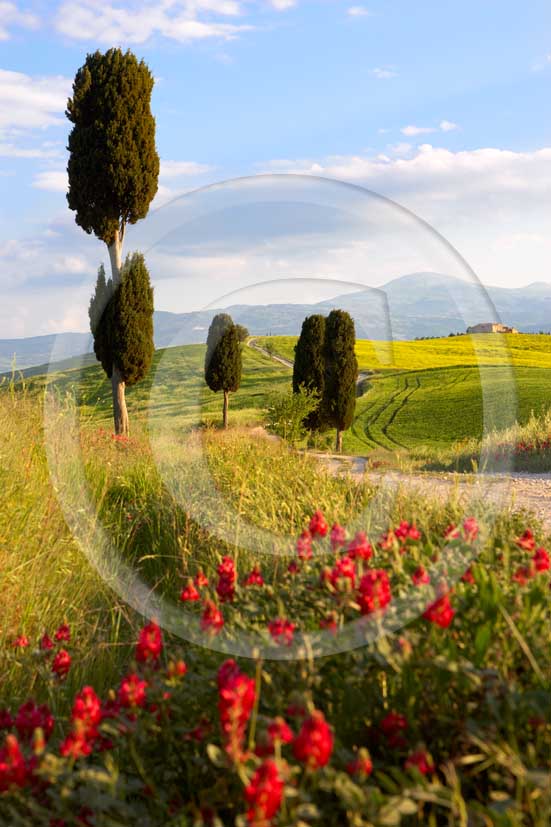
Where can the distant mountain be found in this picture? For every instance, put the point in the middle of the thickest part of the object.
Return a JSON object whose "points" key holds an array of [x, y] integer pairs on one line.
{"points": [[418, 304]]}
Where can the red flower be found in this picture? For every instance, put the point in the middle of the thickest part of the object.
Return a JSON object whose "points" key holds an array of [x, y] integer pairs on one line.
{"points": [[344, 569], [541, 560], [329, 622], [190, 593], [420, 576], [132, 691], [440, 612], [254, 578], [86, 716], [150, 644], [63, 634], [201, 580], [61, 664], [21, 642], [293, 567], [393, 726], [407, 531], [338, 536], [31, 717], [211, 620], [46, 643], [451, 533], [225, 587], [374, 591], [264, 795], [470, 529], [177, 669], [421, 760], [468, 576], [523, 574], [360, 548], [388, 540], [526, 541], [318, 525], [13, 770], [361, 765], [304, 545], [236, 693], [314, 743], [277, 731], [282, 631]]}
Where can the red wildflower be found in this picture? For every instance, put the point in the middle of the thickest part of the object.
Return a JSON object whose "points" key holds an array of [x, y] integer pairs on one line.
{"points": [[393, 726], [236, 692], [150, 644], [254, 578], [46, 643], [132, 691], [190, 593], [63, 634], [61, 664], [86, 716], [343, 570], [13, 770], [523, 574], [282, 631], [314, 743], [211, 620], [293, 567], [225, 588], [338, 536], [451, 533], [407, 531], [304, 545], [277, 731], [388, 540], [421, 760], [176, 669], [318, 525], [468, 576], [526, 541], [264, 795], [360, 548], [31, 717], [329, 622], [201, 580], [374, 591], [21, 642], [541, 560], [470, 529], [440, 612], [420, 576], [362, 765]]}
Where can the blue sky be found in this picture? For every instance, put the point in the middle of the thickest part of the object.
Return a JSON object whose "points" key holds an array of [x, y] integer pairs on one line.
{"points": [[441, 106]]}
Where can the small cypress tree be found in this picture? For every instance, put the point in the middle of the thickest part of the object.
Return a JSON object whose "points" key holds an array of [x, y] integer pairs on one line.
{"points": [[113, 163], [121, 321], [223, 363], [309, 364], [341, 373]]}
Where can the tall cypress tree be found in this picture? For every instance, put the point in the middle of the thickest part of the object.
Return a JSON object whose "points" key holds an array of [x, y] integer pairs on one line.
{"points": [[121, 321], [223, 363], [341, 373], [113, 164], [309, 364]]}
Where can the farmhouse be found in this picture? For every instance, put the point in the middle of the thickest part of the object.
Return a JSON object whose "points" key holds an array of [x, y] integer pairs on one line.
{"points": [[491, 327]]}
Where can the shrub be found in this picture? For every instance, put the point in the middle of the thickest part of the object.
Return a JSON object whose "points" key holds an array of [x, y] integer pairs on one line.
{"points": [[287, 412]]}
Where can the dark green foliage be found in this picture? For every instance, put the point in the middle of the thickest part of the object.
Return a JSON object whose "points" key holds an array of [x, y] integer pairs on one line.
{"points": [[122, 323], [341, 370], [242, 332], [223, 357], [309, 364], [113, 165]]}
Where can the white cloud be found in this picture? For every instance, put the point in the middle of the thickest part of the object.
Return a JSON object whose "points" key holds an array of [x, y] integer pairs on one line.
{"points": [[31, 102], [400, 149], [448, 126], [11, 15], [10, 150], [358, 11], [411, 131], [384, 72], [282, 5], [51, 180], [177, 169], [140, 20]]}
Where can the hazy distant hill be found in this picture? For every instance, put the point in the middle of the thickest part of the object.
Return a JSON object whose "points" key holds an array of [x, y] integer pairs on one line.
{"points": [[419, 304]]}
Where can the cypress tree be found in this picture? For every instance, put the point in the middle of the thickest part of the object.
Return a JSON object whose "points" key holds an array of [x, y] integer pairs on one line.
{"points": [[121, 321], [309, 364], [113, 166], [341, 373], [223, 362]]}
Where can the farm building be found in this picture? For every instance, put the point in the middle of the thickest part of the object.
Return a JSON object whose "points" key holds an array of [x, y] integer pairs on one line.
{"points": [[491, 327]]}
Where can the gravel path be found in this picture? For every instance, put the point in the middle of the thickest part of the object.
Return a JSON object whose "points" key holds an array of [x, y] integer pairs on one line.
{"points": [[516, 490]]}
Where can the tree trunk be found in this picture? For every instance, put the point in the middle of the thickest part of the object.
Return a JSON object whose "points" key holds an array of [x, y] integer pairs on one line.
{"points": [[338, 443], [225, 414], [115, 256], [120, 413]]}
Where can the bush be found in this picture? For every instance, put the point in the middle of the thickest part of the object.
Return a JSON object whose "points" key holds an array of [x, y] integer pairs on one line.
{"points": [[287, 412]]}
